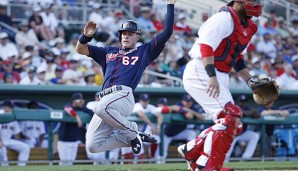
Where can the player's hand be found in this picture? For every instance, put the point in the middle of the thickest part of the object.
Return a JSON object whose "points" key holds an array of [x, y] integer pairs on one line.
{"points": [[171, 1], [90, 29], [213, 89], [1, 144], [79, 121]]}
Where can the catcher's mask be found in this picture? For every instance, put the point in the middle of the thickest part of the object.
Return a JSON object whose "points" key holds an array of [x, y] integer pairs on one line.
{"points": [[131, 26], [253, 7]]}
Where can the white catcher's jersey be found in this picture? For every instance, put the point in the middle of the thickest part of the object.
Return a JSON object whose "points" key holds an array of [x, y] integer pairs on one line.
{"points": [[212, 32]]}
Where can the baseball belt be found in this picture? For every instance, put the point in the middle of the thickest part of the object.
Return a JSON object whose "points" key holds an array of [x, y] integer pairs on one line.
{"points": [[110, 90]]}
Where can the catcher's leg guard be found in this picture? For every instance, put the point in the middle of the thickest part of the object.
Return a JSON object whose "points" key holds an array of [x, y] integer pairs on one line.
{"points": [[224, 133], [192, 149]]}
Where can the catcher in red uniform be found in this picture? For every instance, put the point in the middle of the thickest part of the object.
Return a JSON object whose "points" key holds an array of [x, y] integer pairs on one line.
{"points": [[223, 39]]}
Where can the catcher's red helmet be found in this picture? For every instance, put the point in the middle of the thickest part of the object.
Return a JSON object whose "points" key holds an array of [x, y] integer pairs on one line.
{"points": [[253, 7], [131, 26]]}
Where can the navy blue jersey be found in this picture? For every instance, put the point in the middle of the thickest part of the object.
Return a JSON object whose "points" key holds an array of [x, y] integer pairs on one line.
{"points": [[126, 66], [70, 132], [174, 129]]}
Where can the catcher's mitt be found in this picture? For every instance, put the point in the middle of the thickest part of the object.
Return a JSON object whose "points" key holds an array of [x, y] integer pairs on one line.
{"points": [[265, 91]]}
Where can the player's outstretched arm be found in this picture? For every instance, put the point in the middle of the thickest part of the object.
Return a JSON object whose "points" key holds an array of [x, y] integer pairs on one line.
{"points": [[86, 37], [164, 36]]}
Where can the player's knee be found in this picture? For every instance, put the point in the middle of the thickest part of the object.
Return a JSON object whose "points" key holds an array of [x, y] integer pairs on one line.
{"points": [[100, 109], [25, 148], [92, 147], [230, 109]]}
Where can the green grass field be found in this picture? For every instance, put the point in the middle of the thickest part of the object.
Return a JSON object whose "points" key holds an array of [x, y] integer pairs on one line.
{"points": [[251, 166]]}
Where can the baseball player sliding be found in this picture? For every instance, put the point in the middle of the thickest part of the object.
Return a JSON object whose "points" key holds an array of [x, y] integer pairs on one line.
{"points": [[122, 68], [223, 39]]}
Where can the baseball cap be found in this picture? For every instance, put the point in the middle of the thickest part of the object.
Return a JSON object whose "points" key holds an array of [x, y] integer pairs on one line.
{"points": [[26, 55], [242, 98], [31, 69], [59, 68], [187, 97], [77, 96], [255, 60], [163, 101], [144, 97], [294, 58], [3, 35], [7, 103]]}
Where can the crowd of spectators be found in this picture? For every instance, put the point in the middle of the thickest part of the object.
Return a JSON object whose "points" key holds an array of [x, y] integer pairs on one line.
{"points": [[24, 59]]}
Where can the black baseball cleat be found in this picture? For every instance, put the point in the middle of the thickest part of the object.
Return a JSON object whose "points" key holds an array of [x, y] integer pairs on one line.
{"points": [[147, 138], [136, 145]]}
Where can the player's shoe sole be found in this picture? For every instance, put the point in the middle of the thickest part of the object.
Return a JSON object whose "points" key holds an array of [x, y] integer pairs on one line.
{"points": [[147, 138], [182, 151], [136, 145]]}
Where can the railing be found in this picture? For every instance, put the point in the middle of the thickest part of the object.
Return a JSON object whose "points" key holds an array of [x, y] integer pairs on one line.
{"points": [[179, 80], [60, 116]]}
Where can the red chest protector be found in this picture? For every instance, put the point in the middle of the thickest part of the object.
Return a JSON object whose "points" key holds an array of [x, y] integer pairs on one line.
{"points": [[227, 53]]}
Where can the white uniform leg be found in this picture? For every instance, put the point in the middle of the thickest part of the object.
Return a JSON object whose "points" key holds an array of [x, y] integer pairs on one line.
{"points": [[67, 152], [3, 156], [20, 147], [112, 111], [252, 138], [196, 83]]}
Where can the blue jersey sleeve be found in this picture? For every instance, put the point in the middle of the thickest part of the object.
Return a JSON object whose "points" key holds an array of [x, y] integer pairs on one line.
{"points": [[160, 40], [98, 54]]}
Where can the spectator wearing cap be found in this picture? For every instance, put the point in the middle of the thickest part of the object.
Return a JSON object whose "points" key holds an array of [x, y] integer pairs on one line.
{"points": [[9, 68], [89, 77], [249, 136], [279, 66], [73, 75], [59, 45], [26, 36], [268, 64], [143, 108], [9, 79], [173, 131], [295, 64], [36, 23], [50, 21], [113, 22], [180, 25], [71, 46], [30, 78], [287, 80], [96, 16], [145, 22], [7, 132], [57, 79], [72, 134], [266, 46], [283, 30], [41, 74], [272, 19], [6, 46], [294, 27], [257, 66]]}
